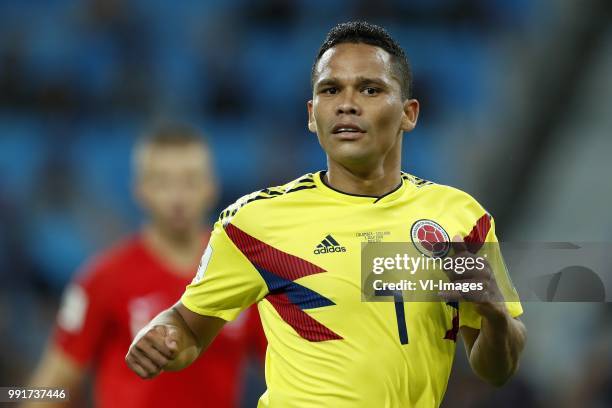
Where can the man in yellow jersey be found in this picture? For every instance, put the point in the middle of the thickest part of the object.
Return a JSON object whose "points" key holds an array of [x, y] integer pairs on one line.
{"points": [[295, 251]]}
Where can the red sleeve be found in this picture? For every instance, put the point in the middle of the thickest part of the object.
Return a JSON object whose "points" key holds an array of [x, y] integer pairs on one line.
{"points": [[83, 315], [256, 338]]}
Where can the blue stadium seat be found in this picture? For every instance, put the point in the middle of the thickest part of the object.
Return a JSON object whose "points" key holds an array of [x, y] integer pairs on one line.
{"points": [[101, 154], [57, 244], [22, 152]]}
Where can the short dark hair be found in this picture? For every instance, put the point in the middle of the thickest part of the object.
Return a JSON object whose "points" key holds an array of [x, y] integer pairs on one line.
{"points": [[361, 32], [171, 134], [167, 134]]}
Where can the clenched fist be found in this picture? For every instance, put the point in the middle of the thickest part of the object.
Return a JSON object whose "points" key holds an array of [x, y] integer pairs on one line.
{"points": [[153, 350]]}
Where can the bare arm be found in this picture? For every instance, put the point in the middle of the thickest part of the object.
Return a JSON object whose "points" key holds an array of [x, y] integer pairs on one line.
{"points": [[171, 341], [56, 369], [494, 350]]}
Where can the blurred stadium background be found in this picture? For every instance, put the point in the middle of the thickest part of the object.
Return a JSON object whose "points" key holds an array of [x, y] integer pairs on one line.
{"points": [[515, 110]]}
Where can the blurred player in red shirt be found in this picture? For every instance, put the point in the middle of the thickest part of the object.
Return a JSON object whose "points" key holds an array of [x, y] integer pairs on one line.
{"points": [[121, 289]]}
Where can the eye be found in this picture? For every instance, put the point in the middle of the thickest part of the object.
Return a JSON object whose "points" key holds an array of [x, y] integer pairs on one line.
{"points": [[330, 91], [371, 91]]}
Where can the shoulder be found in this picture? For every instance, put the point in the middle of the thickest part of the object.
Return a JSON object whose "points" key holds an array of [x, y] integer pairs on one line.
{"points": [[452, 197], [466, 213], [111, 261], [259, 201]]}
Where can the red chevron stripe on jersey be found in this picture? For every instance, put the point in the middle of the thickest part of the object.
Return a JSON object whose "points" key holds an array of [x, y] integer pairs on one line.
{"points": [[271, 259], [302, 322], [268, 259], [476, 238]]}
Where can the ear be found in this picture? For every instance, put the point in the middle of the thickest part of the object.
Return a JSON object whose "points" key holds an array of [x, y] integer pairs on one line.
{"points": [[211, 185], [138, 193], [312, 125], [212, 192], [410, 115]]}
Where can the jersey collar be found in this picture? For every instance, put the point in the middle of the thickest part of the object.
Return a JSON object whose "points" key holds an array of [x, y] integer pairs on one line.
{"points": [[355, 198]]}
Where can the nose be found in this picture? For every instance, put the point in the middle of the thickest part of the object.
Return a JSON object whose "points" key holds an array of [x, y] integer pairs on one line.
{"points": [[348, 106]]}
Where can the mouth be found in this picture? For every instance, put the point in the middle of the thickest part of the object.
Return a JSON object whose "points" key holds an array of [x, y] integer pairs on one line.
{"points": [[347, 130]]}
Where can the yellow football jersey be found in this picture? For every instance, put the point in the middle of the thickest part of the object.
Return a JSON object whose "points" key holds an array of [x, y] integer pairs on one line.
{"points": [[295, 250]]}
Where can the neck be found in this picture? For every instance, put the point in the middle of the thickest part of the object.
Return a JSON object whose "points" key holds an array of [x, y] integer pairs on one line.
{"points": [[180, 251], [372, 181]]}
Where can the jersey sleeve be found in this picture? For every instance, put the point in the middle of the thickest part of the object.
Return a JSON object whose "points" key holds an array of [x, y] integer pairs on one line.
{"points": [[83, 316], [226, 282], [490, 248]]}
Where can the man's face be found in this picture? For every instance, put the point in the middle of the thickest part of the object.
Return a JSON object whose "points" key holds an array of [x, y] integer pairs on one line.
{"points": [[357, 110], [175, 185]]}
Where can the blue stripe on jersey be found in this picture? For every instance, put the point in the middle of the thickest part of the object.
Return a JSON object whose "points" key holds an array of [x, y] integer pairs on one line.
{"points": [[299, 295]]}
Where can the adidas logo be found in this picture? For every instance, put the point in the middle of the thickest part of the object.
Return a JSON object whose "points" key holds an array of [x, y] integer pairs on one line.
{"points": [[329, 244]]}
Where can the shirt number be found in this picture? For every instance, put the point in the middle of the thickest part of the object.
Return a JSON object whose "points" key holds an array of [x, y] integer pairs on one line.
{"points": [[398, 299]]}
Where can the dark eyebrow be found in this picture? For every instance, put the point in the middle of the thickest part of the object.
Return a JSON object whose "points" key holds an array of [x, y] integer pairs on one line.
{"points": [[361, 80], [326, 82], [376, 81]]}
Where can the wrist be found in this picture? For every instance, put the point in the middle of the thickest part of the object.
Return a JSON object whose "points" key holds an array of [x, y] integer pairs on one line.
{"points": [[184, 358], [496, 326], [495, 313]]}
